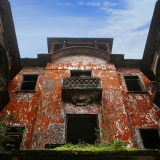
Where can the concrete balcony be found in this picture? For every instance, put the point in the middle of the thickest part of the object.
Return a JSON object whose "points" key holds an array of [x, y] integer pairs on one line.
{"points": [[81, 90], [81, 83]]}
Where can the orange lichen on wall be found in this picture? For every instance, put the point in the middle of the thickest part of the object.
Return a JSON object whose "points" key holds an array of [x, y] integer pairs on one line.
{"points": [[24, 104], [43, 112], [141, 111]]}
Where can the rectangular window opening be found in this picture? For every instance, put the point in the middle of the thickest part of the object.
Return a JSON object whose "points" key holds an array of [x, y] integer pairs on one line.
{"points": [[14, 138], [150, 138], [133, 83], [80, 73], [76, 45], [81, 128], [29, 82]]}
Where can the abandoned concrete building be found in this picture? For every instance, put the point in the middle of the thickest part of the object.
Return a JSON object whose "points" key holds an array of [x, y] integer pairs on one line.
{"points": [[80, 88]]}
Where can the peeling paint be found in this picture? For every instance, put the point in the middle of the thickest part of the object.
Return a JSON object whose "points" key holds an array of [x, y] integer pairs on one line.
{"points": [[43, 112]]}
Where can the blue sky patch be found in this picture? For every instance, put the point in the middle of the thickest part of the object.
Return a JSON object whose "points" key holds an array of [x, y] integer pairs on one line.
{"points": [[35, 20]]}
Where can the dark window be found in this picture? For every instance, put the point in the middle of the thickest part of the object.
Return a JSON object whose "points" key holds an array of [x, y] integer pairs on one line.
{"points": [[81, 45], [80, 73], [133, 83], [150, 138], [81, 128], [57, 47], [13, 138], [102, 46], [29, 82]]}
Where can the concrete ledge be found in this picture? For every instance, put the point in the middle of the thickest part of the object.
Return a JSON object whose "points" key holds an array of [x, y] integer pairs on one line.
{"points": [[77, 155]]}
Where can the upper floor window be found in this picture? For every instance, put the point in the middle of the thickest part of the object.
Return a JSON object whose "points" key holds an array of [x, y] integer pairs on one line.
{"points": [[134, 84], [81, 73], [29, 82]]}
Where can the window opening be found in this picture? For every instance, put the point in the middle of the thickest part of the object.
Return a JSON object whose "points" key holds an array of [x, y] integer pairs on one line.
{"points": [[150, 138], [80, 45], [133, 83], [81, 128], [14, 138], [29, 82], [80, 73]]}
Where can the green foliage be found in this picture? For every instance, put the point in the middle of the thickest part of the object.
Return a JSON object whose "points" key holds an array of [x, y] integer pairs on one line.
{"points": [[106, 134], [4, 138], [116, 145], [99, 146]]}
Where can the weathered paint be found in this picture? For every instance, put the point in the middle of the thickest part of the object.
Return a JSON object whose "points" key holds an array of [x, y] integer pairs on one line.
{"points": [[43, 112], [141, 110]]}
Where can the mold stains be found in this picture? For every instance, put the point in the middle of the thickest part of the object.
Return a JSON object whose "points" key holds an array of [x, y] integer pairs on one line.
{"points": [[56, 133], [43, 111]]}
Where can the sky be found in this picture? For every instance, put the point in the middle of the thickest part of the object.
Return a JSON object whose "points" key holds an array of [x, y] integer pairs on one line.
{"points": [[127, 21]]}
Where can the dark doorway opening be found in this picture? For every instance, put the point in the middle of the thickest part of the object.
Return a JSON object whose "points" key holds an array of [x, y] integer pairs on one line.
{"points": [[81, 128], [150, 138]]}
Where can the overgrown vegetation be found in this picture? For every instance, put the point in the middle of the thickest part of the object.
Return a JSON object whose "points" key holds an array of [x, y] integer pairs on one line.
{"points": [[4, 138], [116, 145], [99, 146], [106, 133]]}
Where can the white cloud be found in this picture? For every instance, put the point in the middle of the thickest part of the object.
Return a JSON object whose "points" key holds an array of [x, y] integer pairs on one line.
{"points": [[120, 23], [97, 3], [109, 4], [63, 4], [93, 4]]}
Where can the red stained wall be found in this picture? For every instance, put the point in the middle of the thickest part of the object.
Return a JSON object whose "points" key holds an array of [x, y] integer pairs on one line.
{"points": [[43, 112]]}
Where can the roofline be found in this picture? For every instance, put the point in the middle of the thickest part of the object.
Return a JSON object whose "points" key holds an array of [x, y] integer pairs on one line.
{"points": [[79, 39]]}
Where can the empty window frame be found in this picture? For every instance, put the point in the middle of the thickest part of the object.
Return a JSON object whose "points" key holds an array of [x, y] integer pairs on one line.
{"points": [[134, 84], [150, 138], [81, 73], [13, 139], [81, 128], [29, 82]]}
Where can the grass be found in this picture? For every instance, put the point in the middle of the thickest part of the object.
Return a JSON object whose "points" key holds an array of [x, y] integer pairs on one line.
{"points": [[116, 145]]}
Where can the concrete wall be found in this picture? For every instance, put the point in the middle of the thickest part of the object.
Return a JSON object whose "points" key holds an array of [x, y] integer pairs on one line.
{"points": [[43, 112]]}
